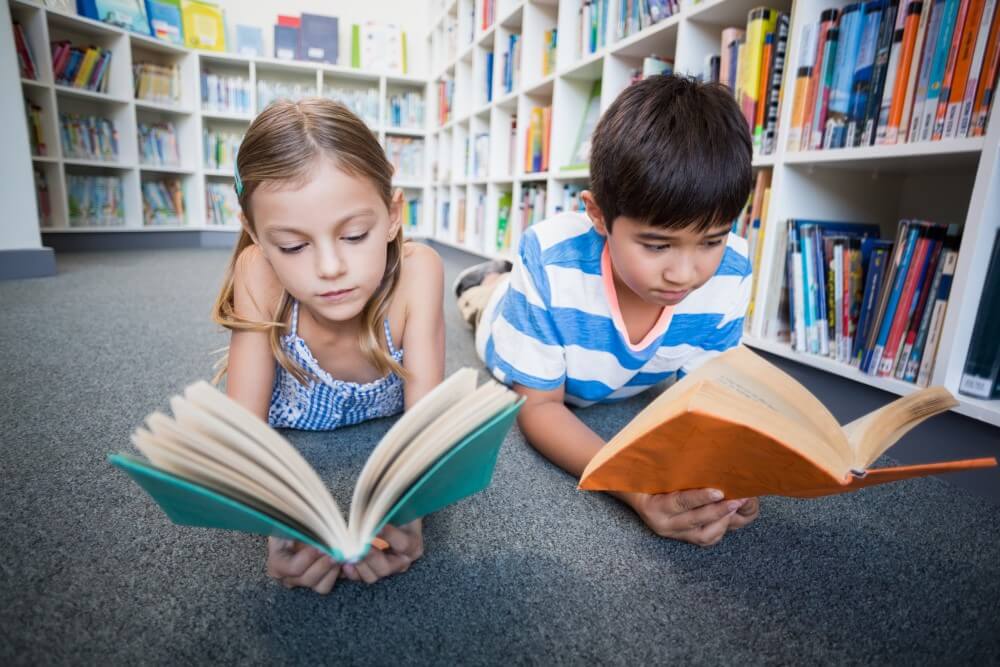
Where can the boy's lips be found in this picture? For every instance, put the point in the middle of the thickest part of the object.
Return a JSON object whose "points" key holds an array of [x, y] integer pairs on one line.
{"points": [[672, 295]]}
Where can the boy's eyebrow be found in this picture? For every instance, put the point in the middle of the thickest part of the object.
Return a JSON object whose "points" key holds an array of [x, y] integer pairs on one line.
{"points": [[661, 236], [353, 214]]}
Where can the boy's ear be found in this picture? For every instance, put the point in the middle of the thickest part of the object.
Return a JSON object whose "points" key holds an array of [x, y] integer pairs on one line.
{"points": [[247, 228], [594, 213], [395, 214]]}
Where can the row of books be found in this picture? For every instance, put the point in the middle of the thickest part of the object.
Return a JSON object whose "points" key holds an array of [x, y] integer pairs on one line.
{"points": [[35, 133], [875, 304], [750, 225], [312, 37], [157, 83], [477, 152], [752, 64], [539, 131], [886, 72], [407, 157], [269, 91], [981, 372], [42, 196], [512, 64], [225, 93], [411, 214], [81, 66], [502, 240], [462, 233], [636, 15], [95, 201], [25, 58], [592, 23], [158, 144], [88, 137], [531, 208], [163, 202], [651, 66], [222, 207], [446, 94], [362, 101], [570, 199], [218, 148], [405, 109]]}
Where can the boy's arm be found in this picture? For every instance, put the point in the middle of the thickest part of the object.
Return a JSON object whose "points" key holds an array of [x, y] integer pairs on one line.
{"points": [[699, 516]]}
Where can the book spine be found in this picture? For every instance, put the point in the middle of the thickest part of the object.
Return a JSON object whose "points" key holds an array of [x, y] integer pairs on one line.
{"points": [[822, 102], [851, 25], [888, 279], [761, 21], [903, 312], [963, 67], [797, 298], [984, 92], [888, 316], [760, 110], [912, 366], [942, 51], [838, 285], [822, 317], [861, 81], [774, 90], [926, 55], [810, 291], [937, 321], [958, 58], [887, 44], [803, 73], [891, 113], [727, 69], [975, 69], [926, 288]]}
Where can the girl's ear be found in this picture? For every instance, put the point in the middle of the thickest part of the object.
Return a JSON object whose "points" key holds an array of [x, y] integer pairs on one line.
{"points": [[594, 213], [395, 214], [247, 228]]}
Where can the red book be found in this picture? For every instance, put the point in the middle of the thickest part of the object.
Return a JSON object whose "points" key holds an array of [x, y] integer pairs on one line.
{"points": [[918, 312], [289, 21], [900, 319], [949, 73]]}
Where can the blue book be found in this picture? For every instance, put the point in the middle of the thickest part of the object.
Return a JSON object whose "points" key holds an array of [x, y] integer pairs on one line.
{"points": [[489, 77], [249, 41], [810, 292], [871, 16], [840, 91], [165, 20], [127, 14], [286, 42], [874, 274], [319, 38], [873, 355], [935, 79]]}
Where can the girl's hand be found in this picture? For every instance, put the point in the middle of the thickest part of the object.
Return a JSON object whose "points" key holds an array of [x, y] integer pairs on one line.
{"points": [[296, 564], [406, 544]]}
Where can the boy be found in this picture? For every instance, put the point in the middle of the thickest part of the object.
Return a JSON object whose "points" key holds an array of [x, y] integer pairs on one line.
{"points": [[646, 286]]}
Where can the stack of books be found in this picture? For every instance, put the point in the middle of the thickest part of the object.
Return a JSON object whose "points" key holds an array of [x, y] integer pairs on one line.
{"points": [[219, 148]]}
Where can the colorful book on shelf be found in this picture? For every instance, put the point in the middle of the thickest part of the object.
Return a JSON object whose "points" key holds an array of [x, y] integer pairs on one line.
{"points": [[760, 23], [204, 25], [936, 70], [741, 425], [580, 157], [851, 32], [865, 119], [931, 319], [875, 254], [727, 57], [981, 372], [824, 72], [975, 69], [379, 47], [249, 41], [286, 42], [25, 58], [319, 38], [215, 464], [899, 72], [127, 14], [165, 22], [953, 92], [987, 80], [771, 86], [873, 15], [504, 202]]}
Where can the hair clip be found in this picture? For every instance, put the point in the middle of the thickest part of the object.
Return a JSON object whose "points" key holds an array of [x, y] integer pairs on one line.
{"points": [[238, 184]]}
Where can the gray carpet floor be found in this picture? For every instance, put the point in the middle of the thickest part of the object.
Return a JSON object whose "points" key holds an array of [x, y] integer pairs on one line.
{"points": [[530, 571]]}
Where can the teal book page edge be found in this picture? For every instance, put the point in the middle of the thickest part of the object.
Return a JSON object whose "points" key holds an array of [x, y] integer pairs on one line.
{"points": [[190, 504], [464, 470]]}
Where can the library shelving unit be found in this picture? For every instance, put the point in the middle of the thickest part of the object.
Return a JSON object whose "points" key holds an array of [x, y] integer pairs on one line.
{"points": [[955, 181], [367, 93]]}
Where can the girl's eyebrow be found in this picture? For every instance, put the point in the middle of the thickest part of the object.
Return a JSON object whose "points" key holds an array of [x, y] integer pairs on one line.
{"points": [[353, 214]]}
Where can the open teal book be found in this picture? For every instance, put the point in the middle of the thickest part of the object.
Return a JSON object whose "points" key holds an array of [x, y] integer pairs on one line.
{"points": [[215, 464]]}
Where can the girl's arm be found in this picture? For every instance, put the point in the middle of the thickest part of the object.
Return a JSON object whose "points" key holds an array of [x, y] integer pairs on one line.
{"points": [[422, 279], [251, 363]]}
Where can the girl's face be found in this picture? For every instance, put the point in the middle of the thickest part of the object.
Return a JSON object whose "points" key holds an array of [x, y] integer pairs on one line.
{"points": [[327, 238]]}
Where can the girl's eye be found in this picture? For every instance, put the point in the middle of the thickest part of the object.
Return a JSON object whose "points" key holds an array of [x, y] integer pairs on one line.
{"points": [[356, 238], [291, 250]]}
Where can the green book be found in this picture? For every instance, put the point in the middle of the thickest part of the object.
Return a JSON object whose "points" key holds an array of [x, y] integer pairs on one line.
{"points": [[580, 158], [214, 464]]}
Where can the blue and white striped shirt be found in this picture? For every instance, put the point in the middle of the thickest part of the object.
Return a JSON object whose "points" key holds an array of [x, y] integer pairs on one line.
{"points": [[557, 320]]}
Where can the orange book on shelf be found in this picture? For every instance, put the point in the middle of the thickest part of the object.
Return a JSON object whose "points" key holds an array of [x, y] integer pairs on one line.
{"points": [[546, 136], [913, 32], [951, 107], [741, 425], [954, 53], [987, 79]]}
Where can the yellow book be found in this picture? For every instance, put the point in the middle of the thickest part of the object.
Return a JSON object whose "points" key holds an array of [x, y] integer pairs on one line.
{"points": [[761, 21], [86, 67], [204, 26]]}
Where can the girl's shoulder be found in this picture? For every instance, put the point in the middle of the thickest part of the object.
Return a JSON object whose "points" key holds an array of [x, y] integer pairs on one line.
{"points": [[257, 291], [421, 277]]}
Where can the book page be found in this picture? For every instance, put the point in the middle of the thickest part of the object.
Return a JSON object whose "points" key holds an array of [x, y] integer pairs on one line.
{"points": [[269, 445], [872, 435], [426, 410]]}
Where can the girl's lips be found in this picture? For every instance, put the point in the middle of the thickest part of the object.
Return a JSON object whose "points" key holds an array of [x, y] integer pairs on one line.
{"points": [[336, 295]]}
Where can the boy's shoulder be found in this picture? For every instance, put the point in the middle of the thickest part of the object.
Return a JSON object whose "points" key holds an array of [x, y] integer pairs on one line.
{"points": [[736, 260]]}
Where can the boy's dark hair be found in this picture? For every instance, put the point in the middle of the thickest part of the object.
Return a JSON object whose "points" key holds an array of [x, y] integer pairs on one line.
{"points": [[672, 152]]}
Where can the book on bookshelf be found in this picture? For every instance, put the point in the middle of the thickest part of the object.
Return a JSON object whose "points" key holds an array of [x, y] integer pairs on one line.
{"points": [[42, 198], [158, 144], [249, 41], [592, 25], [487, 13], [411, 214], [405, 110], [319, 38], [222, 207], [127, 14], [550, 40], [215, 464], [163, 202], [570, 199], [269, 91], [981, 372], [406, 154], [157, 83], [204, 25], [219, 148], [741, 425], [536, 151], [165, 21], [286, 39], [379, 47], [225, 93], [81, 67], [531, 208], [25, 57], [502, 241], [95, 201], [512, 63], [36, 136], [637, 15], [88, 137], [364, 102]]}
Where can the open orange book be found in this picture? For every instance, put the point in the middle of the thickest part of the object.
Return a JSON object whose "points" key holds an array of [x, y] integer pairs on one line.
{"points": [[741, 425]]}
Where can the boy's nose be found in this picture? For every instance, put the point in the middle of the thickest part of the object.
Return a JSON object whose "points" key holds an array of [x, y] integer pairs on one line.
{"points": [[680, 271]]}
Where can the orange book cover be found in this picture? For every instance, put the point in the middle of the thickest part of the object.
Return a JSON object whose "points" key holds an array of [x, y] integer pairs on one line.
{"points": [[953, 104], [741, 425], [987, 80], [828, 20], [911, 31], [954, 52], [546, 136]]}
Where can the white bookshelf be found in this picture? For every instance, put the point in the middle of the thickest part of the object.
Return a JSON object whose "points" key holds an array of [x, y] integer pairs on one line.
{"points": [[946, 181], [44, 25]]}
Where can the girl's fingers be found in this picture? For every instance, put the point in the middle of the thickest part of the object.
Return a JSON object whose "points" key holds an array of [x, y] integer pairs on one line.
{"points": [[327, 583], [315, 574]]}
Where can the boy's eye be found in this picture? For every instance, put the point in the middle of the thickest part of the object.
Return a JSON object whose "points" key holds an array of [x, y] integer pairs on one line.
{"points": [[290, 250], [656, 248], [713, 242], [356, 238]]}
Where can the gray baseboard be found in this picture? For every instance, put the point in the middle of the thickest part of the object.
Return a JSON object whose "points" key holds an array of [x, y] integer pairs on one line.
{"points": [[139, 240], [27, 263]]}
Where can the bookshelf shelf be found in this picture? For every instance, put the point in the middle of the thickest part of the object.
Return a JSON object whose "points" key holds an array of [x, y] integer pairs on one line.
{"points": [[404, 132], [724, 13], [166, 169], [152, 44], [900, 157], [162, 108], [659, 38], [222, 115], [103, 164], [69, 91], [32, 83], [45, 158], [219, 173]]}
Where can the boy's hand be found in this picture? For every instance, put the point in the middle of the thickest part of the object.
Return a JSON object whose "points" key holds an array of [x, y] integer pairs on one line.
{"points": [[698, 516], [745, 514], [406, 544], [296, 564]]}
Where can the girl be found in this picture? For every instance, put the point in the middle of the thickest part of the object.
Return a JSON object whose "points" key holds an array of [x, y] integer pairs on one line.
{"points": [[322, 297]]}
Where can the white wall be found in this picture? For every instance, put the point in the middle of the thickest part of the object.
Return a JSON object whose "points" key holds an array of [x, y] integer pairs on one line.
{"points": [[19, 219], [412, 15]]}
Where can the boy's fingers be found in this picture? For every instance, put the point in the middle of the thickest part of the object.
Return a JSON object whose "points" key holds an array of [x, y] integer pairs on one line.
{"points": [[684, 501], [750, 507], [316, 572], [711, 534], [365, 572], [708, 514], [327, 583], [297, 565]]}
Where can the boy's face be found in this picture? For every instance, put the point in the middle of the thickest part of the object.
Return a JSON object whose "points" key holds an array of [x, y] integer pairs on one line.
{"points": [[660, 266]]}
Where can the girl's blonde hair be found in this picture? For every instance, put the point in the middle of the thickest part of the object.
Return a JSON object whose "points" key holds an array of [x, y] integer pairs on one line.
{"points": [[281, 146]]}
